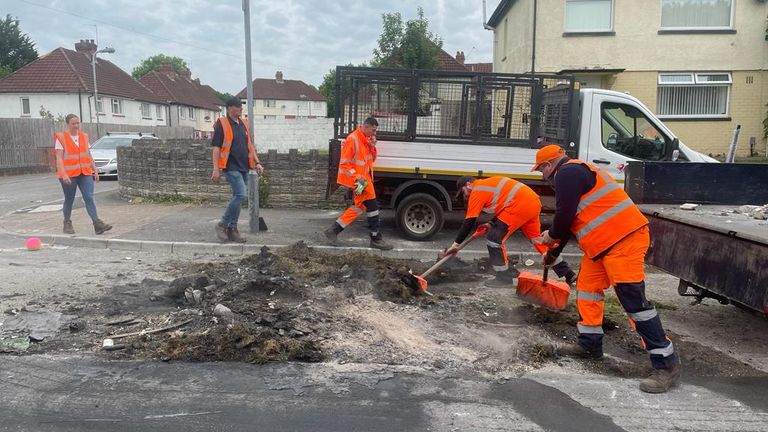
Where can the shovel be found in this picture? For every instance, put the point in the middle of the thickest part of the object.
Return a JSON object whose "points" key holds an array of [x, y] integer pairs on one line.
{"points": [[538, 290], [419, 282]]}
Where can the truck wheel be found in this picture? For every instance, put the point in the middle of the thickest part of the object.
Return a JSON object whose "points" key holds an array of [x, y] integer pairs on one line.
{"points": [[419, 216]]}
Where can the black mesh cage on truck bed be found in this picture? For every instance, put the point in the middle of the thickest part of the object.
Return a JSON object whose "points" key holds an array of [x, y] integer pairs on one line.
{"points": [[458, 107]]}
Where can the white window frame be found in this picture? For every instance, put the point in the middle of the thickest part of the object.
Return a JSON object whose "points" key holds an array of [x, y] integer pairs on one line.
{"points": [[99, 105], [29, 106], [182, 112], [119, 103], [730, 26], [159, 112], [191, 112], [696, 80], [270, 103], [565, 19], [148, 114]]}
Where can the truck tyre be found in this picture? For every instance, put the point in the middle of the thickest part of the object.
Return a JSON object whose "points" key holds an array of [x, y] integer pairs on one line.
{"points": [[419, 216]]}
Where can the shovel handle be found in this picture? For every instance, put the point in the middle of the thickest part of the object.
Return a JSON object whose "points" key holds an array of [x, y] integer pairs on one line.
{"points": [[546, 273], [446, 258]]}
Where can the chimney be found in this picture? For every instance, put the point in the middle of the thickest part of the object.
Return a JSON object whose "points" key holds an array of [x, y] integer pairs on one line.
{"points": [[166, 69], [186, 73], [279, 77], [86, 46], [197, 81], [460, 57]]}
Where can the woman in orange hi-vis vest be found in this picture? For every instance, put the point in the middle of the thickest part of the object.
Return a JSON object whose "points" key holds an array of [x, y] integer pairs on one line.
{"points": [[614, 236], [514, 206], [358, 153], [75, 169]]}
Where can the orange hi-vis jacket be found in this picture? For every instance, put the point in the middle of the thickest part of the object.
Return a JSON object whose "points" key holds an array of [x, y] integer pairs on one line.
{"points": [[356, 160], [494, 194], [227, 143], [77, 158], [605, 215]]}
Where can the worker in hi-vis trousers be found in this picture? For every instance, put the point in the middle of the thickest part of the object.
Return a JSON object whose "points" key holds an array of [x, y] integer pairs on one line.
{"points": [[514, 206], [358, 153], [613, 234]]}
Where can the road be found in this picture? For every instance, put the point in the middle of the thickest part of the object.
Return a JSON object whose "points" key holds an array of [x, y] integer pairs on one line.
{"points": [[88, 391]]}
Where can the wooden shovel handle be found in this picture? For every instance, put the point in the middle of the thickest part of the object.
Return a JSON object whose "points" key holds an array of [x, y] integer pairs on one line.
{"points": [[446, 258]]}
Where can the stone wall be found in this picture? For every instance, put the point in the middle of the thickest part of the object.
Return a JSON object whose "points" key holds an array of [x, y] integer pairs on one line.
{"points": [[181, 168]]}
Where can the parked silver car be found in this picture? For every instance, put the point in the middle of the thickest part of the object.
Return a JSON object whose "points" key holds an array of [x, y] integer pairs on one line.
{"points": [[104, 150]]}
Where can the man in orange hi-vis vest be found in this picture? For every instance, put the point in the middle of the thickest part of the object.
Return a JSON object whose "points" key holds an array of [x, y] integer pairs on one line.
{"points": [[514, 206], [613, 234], [234, 154], [358, 153]]}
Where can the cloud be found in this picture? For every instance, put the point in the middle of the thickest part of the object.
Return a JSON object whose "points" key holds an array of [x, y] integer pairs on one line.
{"points": [[303, 38]]}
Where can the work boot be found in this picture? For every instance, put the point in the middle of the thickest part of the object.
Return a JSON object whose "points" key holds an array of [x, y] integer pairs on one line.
{"points": [[68, 228], [101, 227], [234, 235], [570, 278], [503, 279], [378, 243], [332, 236], [222, 232], [578, 351], [661, 380]]}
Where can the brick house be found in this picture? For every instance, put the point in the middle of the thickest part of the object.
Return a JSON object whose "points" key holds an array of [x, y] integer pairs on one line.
{"points": [[61, 82], [281, 98], [191, 103]]}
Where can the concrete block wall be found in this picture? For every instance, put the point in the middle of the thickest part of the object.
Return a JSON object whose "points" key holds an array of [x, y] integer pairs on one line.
{"points": [[182, 168], [283, 135]]}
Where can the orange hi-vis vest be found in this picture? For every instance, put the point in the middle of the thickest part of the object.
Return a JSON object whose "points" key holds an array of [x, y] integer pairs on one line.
{"points": [[227, 143], [496, 193], [77, 158], [605, 215], [356, 159]]}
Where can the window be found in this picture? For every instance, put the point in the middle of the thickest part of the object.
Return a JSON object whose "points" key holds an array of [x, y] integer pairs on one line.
{"points": [[696, 14], [270, 103], [146, 111], [100, 106], [627, 131], [693, 95], [182, 112], [159, 112], [25, 109], [588, 16], [117, 106], [191, 113], [269, 117]]}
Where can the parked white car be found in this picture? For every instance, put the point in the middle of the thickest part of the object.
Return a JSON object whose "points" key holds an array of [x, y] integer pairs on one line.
{"points": [[104, 150]]}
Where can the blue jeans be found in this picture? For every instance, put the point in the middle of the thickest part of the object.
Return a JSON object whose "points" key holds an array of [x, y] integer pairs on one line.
{"points": [[236, 179], [85, 183]]}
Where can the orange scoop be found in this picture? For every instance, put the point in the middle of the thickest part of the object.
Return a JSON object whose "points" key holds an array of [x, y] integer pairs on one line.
{"points": [[538, 290]]}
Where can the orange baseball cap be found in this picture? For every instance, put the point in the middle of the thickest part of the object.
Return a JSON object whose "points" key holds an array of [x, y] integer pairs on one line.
{"points": [[547, 153]]}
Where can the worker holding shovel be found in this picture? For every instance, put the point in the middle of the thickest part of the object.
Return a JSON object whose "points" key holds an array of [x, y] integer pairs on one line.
{"points": [[613, 234], [515, 206]]}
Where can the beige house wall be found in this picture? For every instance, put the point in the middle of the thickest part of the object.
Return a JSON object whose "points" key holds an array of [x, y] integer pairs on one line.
{"points": [[637, 47]]}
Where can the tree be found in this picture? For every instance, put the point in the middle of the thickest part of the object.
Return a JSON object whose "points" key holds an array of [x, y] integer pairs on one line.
{"points": [[407, 44], [328, 89], [16, 48], [153, 64], [223, 96]]}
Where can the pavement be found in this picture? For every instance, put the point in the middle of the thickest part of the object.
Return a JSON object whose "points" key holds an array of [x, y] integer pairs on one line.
{"points": [[174, 227]]}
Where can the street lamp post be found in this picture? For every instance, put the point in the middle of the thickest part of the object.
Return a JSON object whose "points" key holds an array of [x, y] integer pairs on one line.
{"points": [[107, 50]]}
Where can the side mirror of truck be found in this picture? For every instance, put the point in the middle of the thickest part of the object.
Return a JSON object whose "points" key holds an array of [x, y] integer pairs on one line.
{"points": [[673, 150]]}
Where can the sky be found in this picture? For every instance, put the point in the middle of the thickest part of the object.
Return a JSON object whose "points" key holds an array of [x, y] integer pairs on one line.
{"points": [[302, 38]]}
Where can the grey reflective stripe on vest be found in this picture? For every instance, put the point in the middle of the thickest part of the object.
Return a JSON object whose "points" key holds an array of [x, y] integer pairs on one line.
{"points": [[587, 295], [585, 329], [643, 315], [608, 187], [72, 157], [350, 172], [596, 222], [664, 352], [512, 194], [496, 190]]}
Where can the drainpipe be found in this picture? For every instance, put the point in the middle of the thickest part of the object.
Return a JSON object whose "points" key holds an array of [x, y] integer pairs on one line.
{"points": [[80, 103]]}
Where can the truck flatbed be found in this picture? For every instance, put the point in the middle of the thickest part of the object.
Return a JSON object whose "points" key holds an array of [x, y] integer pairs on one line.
{"points": [[717, 218]]}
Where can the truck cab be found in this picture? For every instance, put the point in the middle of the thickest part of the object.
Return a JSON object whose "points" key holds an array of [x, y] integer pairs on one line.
{"points": [[435, 126]]}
